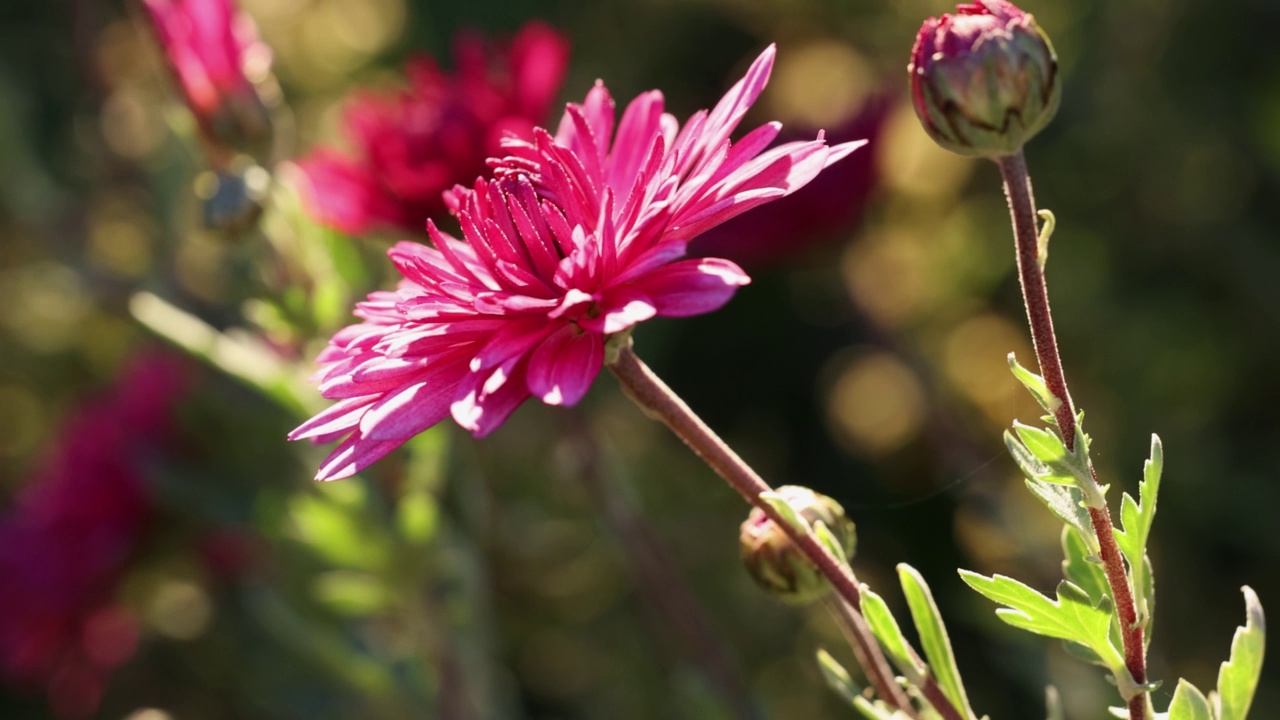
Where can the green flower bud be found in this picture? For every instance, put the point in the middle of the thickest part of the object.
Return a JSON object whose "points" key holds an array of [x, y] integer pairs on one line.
{"points": [[985, 80], [775, 563]]}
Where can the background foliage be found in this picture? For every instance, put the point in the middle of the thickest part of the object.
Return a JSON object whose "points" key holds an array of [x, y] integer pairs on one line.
{"points": [[500, 578]]}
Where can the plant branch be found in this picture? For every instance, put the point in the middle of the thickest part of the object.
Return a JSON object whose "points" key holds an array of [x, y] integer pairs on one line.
{"points": [[658, 400], [1022, 209], [927, 683]]}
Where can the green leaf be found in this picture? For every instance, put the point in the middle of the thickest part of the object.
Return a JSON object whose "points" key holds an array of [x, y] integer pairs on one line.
{"points": [[1147, 592], [837, 677], [1032, 466], [1068, 504], [1081, 565], [838, 680], [1035, 384], [1238, 678], [933, 637], [1072, 617], [1042, 456], [1189, 704], [1044, 445], [885, 628], [1042, 240], [1137, 518]]}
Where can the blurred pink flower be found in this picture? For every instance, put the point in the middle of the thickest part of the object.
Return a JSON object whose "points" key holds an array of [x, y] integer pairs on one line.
{"points": [[575, 240], [66, 542], [214, 51], [415, 144], [820, 211]]}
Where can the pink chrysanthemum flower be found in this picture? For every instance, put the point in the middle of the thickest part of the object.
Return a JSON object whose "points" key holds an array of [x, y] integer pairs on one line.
{"points": [[71, 533], [215, 53], [576, 239], [413, 145]]}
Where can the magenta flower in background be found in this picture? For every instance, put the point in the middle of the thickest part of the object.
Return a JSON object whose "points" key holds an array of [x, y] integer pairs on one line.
{"points": [[821, 211], [576, 238], [214, 51], [65, 544], [413, 145]]}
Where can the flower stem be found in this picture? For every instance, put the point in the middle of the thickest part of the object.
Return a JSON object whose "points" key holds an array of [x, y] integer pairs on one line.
{"points": [[652, 395], [1022, 209]]}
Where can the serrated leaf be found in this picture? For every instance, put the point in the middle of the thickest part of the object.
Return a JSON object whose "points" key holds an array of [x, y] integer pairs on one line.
{"points": [[1072, 617], [1238, 678], [1044, 445], [1137, 517], [1068, 504], [1080, 565], [1189, 704], [933, 637], [885, 628], [1030, 465], [1035, 384]]}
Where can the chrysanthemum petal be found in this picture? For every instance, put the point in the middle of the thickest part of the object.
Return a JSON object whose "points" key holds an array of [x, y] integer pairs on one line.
{"points": [[353, 455], [692, 287], [486, 399], [563, 366], [619, 309]]}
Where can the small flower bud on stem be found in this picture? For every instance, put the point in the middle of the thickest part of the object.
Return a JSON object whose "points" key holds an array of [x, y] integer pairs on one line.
{"points": [[653, 396]]}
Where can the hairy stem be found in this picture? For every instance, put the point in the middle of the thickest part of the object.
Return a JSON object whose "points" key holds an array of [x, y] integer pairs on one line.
{"points": [[1022, 209], [653, 395]]}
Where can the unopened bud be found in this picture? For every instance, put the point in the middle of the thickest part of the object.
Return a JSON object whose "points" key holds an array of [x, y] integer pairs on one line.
{"points": [[774, 561], [985, 80], [222, 67]]}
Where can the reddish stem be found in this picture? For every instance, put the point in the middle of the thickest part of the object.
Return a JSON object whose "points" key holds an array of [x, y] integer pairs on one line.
{"points": [[1022, 209], [653, 395]]}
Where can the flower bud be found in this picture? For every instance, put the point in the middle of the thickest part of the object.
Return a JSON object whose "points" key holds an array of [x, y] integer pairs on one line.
{"points": [[775, 563], [223, 68], [985, 80]]}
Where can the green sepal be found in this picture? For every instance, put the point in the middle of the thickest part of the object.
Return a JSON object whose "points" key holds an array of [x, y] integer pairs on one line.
{"points": [[829, 541], [934, 638], [788, 513], [1238, 677]]}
